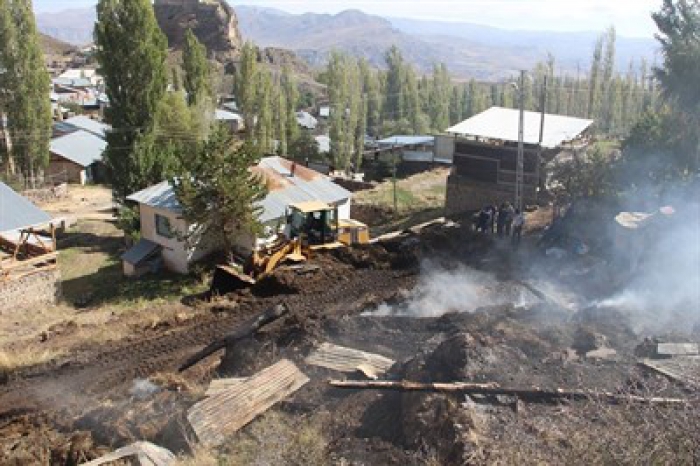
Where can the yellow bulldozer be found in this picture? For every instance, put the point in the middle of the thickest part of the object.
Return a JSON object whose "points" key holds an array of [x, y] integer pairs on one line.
{"points": [[310, 226]]}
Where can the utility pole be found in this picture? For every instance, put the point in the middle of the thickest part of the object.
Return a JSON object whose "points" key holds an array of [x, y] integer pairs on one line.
{"points": [[521, 135], [393, 179], [543, 107]]}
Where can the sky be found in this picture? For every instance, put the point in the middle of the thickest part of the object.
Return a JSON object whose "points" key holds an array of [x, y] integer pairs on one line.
{"points": [[631, 18]]}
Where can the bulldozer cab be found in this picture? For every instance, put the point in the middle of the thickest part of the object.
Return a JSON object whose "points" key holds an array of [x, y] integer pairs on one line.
{"points": [[314, 222]]}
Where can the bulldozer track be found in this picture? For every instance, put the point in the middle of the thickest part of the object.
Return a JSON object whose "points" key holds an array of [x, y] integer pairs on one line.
{"points": [[77, 384]]}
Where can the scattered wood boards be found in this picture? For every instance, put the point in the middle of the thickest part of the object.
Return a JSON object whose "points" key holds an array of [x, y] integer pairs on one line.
{"points": [[146, 454], [349, 360], [683, 369], [218, 416]]}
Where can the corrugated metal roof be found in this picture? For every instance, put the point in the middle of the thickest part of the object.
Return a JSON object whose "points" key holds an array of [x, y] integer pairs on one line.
{"points": [[17, 211], [87, 124], [406, 140], [73, 82], [140, 251], [81, 147], [227, 116], [230, 106], [160, 196], [324, 111], [503, 124], [284, 189], [306, 120]]}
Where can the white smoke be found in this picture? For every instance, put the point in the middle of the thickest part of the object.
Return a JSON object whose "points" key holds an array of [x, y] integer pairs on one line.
{"points": [[663, 291], [441, 290]]}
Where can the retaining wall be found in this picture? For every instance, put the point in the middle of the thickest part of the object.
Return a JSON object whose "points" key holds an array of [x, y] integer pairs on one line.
{"points": [[40, 288]]}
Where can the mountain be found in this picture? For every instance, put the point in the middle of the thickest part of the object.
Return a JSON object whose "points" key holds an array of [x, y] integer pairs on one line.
{"points": [[469, 50], [54, 47], [73, 26]]}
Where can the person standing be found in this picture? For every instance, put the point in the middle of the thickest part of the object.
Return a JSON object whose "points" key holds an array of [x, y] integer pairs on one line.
{"points": [[509, 216], [518, 224], [501, 220]]}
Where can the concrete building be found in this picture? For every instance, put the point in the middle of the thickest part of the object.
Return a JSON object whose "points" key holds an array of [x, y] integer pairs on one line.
{"points": [[163, 228], [77, 157], [484, 150]]}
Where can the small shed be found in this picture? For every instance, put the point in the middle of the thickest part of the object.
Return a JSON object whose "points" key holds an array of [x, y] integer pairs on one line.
{"points": [[232, 120], [77, 157]]}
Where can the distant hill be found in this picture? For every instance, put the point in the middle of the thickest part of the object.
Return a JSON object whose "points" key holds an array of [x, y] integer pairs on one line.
{"points": [[469, 50], [73, 26], [55, 47]]}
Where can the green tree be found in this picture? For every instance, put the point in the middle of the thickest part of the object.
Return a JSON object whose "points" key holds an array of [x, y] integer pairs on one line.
{"points": [[594, 80], [245, 86], [26, 84], [218, 192], [197, 79], [264, 126], [291, 98], [394, 104], [282, 124], [136, 79]]}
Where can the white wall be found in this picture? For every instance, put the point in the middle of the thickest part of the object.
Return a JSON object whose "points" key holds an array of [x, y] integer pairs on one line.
{"points": [[344, 209], [174, 252]]}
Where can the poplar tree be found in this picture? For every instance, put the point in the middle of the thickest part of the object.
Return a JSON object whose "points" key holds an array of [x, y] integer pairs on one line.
{"points": [[594, 80], [264, 127], [245, 86], [197, 79], [291, 100], [394, 106], [136, 79], [26, 85], [282, 123]]}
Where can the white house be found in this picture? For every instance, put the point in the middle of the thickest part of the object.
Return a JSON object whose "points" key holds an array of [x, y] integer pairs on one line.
{"points": [[306, 120], [163, 228]]}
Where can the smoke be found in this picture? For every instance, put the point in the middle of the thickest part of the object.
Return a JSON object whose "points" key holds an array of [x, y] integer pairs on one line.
{"points": [[444, 290], [142, 389], [663, 288]]}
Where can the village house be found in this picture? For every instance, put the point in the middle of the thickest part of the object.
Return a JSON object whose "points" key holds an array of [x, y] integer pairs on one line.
{"points": [[484, 150], [163, 228], [77, 158], [80, 122], [28, 270], [306, 120], [232, 120]]}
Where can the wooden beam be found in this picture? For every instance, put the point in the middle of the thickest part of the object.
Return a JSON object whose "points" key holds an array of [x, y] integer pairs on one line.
{"points": [[534, 393]]}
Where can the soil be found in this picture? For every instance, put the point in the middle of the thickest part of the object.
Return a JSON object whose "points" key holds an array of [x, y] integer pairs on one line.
{"points": [[120, 392]]}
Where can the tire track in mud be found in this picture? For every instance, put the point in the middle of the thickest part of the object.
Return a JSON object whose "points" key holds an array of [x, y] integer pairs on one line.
{"points": [[78, 384]]}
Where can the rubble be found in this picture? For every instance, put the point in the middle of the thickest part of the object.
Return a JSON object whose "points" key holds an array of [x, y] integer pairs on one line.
{"points": [[144, 454]]}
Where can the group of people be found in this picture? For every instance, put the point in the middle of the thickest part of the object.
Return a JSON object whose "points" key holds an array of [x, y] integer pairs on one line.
{"points": [[505, 221]]}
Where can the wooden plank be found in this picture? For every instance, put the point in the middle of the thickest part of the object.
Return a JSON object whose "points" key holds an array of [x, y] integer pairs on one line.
{"points": [[685, 370], [349, 360], [219, 416], [146, 454], [50, 257], [218, 386]]}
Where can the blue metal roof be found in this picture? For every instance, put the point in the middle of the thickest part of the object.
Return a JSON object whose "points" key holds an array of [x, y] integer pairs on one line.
{"points": [[73, 82], [81, 147], [17, 211], [406, 140]]}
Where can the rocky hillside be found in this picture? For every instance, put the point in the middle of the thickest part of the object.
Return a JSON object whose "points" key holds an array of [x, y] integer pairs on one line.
{"points": [[213, 22]]}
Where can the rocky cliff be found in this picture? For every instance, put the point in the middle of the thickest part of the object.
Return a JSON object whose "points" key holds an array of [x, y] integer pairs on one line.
{"points": [[213, 22]]}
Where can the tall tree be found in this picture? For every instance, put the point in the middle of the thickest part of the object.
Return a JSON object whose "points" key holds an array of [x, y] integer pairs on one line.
{"points": [[291, 98], [594, 80], [264, 127], [394, 106], [282, 123], [245, 86], [26, 93], [218, 192], [197, 82], [136, 79]]}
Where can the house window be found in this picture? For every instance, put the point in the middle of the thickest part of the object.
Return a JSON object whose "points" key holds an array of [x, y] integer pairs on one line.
{"points": [[163, 226]]}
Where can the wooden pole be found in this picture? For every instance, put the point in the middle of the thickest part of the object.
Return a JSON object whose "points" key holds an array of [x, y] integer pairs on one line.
{"points": [[534, 393], [248, 328]]}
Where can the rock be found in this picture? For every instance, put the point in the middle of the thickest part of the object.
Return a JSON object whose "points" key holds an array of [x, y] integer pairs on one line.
{"points": [[214, 23], [586, 340]]}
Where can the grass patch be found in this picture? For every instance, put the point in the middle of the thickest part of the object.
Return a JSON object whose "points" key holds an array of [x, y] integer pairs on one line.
{"points": [[25, 356], [91, 271]]}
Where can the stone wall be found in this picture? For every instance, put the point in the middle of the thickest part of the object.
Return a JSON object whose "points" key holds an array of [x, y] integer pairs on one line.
{"points": [[465, 195], [40, 288]]}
